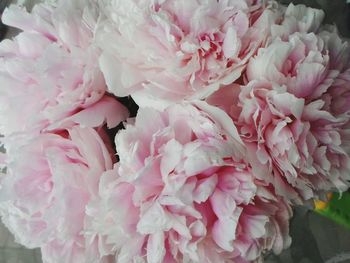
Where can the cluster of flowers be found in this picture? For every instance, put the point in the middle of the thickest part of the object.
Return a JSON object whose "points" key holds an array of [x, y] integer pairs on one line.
{"points": [[244, 111]]}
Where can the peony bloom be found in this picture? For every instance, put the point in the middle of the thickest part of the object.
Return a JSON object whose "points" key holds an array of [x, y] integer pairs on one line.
{"points": [[182, 192], [307, 64], [337, 101], [49, 73], [163, 52], [72, 251], [297, 146], [46, 189], [296, 18], [292, 113]]}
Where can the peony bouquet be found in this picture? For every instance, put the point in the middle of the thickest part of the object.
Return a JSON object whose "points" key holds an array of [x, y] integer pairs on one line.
{"points": [[168, 130]]}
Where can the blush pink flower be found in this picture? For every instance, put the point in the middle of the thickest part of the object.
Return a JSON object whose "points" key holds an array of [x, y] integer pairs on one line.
{"points": [[46, 189], [296, 18], [71, 251], [293, 144], [163, 52], [293, 113], [182, 192], [307, 64], [337, 101], [48, 72], [301, 55]]}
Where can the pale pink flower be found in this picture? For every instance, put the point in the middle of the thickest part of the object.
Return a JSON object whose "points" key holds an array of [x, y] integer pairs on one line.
{"points": [[182, 192], [337, 101], [295, 144], [294, 113], [337, 97], [46, 189], [306, 63], [49, 71], [296, 18], [162, 52], [72, 251]]}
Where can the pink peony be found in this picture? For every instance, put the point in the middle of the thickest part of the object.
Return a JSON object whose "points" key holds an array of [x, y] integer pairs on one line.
{"points": [[182, 192], [49, 73], [293, 114], [294, 143], [296, 18], [47, 186], [163, 52], [72, 251], [337, 101], [306, 63]]}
